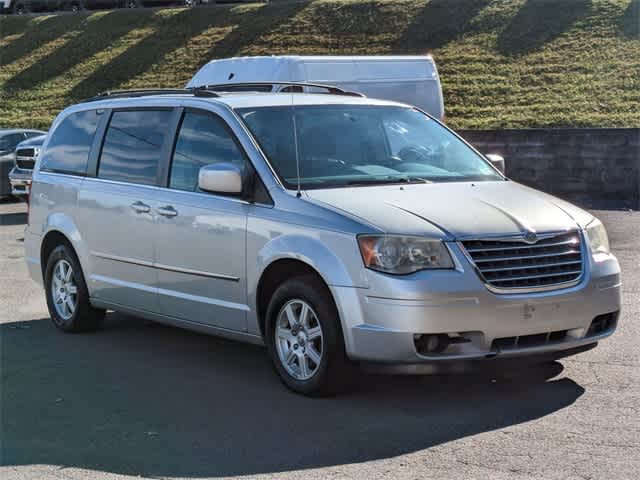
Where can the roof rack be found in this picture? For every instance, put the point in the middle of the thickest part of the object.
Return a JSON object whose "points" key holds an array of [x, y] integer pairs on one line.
{"points": [[332, 90], [210, 90], [144, 92]]}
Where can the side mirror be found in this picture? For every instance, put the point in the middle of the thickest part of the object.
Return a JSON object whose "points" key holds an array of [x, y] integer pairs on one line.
{"points": [[224, 178], [496, 160]]}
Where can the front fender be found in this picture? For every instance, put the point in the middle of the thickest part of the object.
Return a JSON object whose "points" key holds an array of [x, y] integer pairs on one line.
{"points": [[334, 256], [310, 251]]}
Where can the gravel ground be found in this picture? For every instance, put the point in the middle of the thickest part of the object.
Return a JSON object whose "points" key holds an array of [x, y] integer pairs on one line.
{"points": [[143, 400]]}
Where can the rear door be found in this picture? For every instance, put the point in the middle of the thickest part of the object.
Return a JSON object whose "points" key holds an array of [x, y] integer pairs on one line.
{"points": [[118, 203], [201, 237]]}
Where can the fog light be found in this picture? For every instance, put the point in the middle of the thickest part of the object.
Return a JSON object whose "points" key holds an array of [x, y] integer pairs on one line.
{"points": [[433, 343]]}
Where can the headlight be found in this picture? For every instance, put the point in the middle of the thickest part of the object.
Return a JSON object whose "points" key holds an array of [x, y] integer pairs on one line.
{"points": [[598, 237], [403, 254]]}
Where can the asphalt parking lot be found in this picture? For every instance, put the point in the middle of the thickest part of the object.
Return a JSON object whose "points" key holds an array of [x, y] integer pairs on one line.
{"points": [[144, 400]]}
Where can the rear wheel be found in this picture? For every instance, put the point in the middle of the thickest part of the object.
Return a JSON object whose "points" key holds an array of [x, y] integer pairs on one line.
{"points": [[67, 294], [304, 338]]}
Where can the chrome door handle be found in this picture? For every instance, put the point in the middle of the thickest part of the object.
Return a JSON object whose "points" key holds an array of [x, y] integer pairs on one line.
{"points": [[167, 211], [140, 207]]}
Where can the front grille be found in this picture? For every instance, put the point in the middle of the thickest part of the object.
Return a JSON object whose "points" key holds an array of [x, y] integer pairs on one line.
{"points": [[26, 158], [26, 152], [524, 341], [516, 264], [26, 164]]}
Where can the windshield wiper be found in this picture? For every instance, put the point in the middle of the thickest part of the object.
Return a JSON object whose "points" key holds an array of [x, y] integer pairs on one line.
{"points": [[388, 180]]}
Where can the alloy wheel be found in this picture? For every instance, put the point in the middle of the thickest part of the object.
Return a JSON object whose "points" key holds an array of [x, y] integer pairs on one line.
{"points": [[299, 339], [64, 290]]}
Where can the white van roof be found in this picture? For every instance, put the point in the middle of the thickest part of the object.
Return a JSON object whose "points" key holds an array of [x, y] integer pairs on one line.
{"points": [[299, 68]]}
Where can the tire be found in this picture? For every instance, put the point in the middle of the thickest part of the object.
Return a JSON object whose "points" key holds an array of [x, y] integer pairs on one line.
{"points": [[333, 372], [83, 317]]}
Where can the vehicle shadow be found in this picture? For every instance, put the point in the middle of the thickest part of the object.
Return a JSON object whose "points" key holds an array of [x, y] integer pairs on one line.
{"points": [[144, 399], [439, 22], [539, 22]]}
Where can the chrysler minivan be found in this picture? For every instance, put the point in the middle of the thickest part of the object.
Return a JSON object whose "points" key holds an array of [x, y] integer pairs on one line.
{"points": [[334, 229]]}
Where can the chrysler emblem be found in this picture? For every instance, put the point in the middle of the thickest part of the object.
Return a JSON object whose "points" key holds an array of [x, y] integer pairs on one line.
{"points": [[530, 237]]}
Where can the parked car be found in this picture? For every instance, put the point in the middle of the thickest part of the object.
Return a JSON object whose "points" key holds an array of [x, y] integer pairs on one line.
{"points": [[25, 158], [25, 6], [9, 139], [156, 3], [106, 4], [333, 229], [5, 6], [408, 79]]}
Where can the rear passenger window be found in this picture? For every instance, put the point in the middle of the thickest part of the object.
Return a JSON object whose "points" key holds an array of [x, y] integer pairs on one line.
{"points": [[70, 143], [204, 139], [132, 146]]}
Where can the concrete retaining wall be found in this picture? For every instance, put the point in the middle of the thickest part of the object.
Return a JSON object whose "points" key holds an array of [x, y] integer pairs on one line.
{"points": [[592, 167]]}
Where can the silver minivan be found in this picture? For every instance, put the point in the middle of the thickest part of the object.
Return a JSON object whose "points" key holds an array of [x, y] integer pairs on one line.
{"points": [[334, 229]]}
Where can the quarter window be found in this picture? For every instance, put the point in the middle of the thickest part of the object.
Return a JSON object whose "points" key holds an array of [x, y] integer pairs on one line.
{"points": [[132, 148], [204, 139], [70, 143]]}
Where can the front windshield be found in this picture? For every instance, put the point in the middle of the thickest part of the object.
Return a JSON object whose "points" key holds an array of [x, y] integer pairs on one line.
{"points": [[340, 145]]}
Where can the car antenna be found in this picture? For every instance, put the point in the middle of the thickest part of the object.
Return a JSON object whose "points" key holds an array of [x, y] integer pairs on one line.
{"points": [[295, 142]]}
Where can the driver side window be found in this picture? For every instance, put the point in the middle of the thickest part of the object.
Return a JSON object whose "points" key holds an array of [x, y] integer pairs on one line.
{"points": [[203, 139]]}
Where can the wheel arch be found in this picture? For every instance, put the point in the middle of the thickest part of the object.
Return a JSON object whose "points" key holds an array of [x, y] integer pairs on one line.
{"points": [[50, 241], [272, 276], [61, 229], [288, 255]]}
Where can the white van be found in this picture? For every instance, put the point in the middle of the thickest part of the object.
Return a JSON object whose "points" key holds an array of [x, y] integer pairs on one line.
{"points": [[408, 79]]}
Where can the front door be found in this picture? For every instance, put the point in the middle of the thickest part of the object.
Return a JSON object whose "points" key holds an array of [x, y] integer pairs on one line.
{"points": [[200, 245]]}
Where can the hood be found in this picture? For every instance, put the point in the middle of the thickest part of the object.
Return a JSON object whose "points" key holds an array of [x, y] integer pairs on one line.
{"points": [[454, 210], [32, 142]]}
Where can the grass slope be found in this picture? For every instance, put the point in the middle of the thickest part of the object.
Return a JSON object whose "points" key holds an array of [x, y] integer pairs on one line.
{"points": [[503, 63]]}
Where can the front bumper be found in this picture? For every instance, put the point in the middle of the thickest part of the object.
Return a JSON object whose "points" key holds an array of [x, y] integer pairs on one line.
{"points": [[20, 180], [382, 323]]}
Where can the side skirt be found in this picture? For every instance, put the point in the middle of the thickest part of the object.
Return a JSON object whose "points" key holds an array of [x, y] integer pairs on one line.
{"points": [[181, 323]]}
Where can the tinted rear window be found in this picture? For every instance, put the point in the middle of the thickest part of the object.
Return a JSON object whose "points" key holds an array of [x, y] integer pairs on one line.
{"points": [[133, 144], [70, 143]]}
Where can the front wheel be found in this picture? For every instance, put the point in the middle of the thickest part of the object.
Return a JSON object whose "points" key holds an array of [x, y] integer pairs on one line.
{"points": [[67, 294], [304, 338]]}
